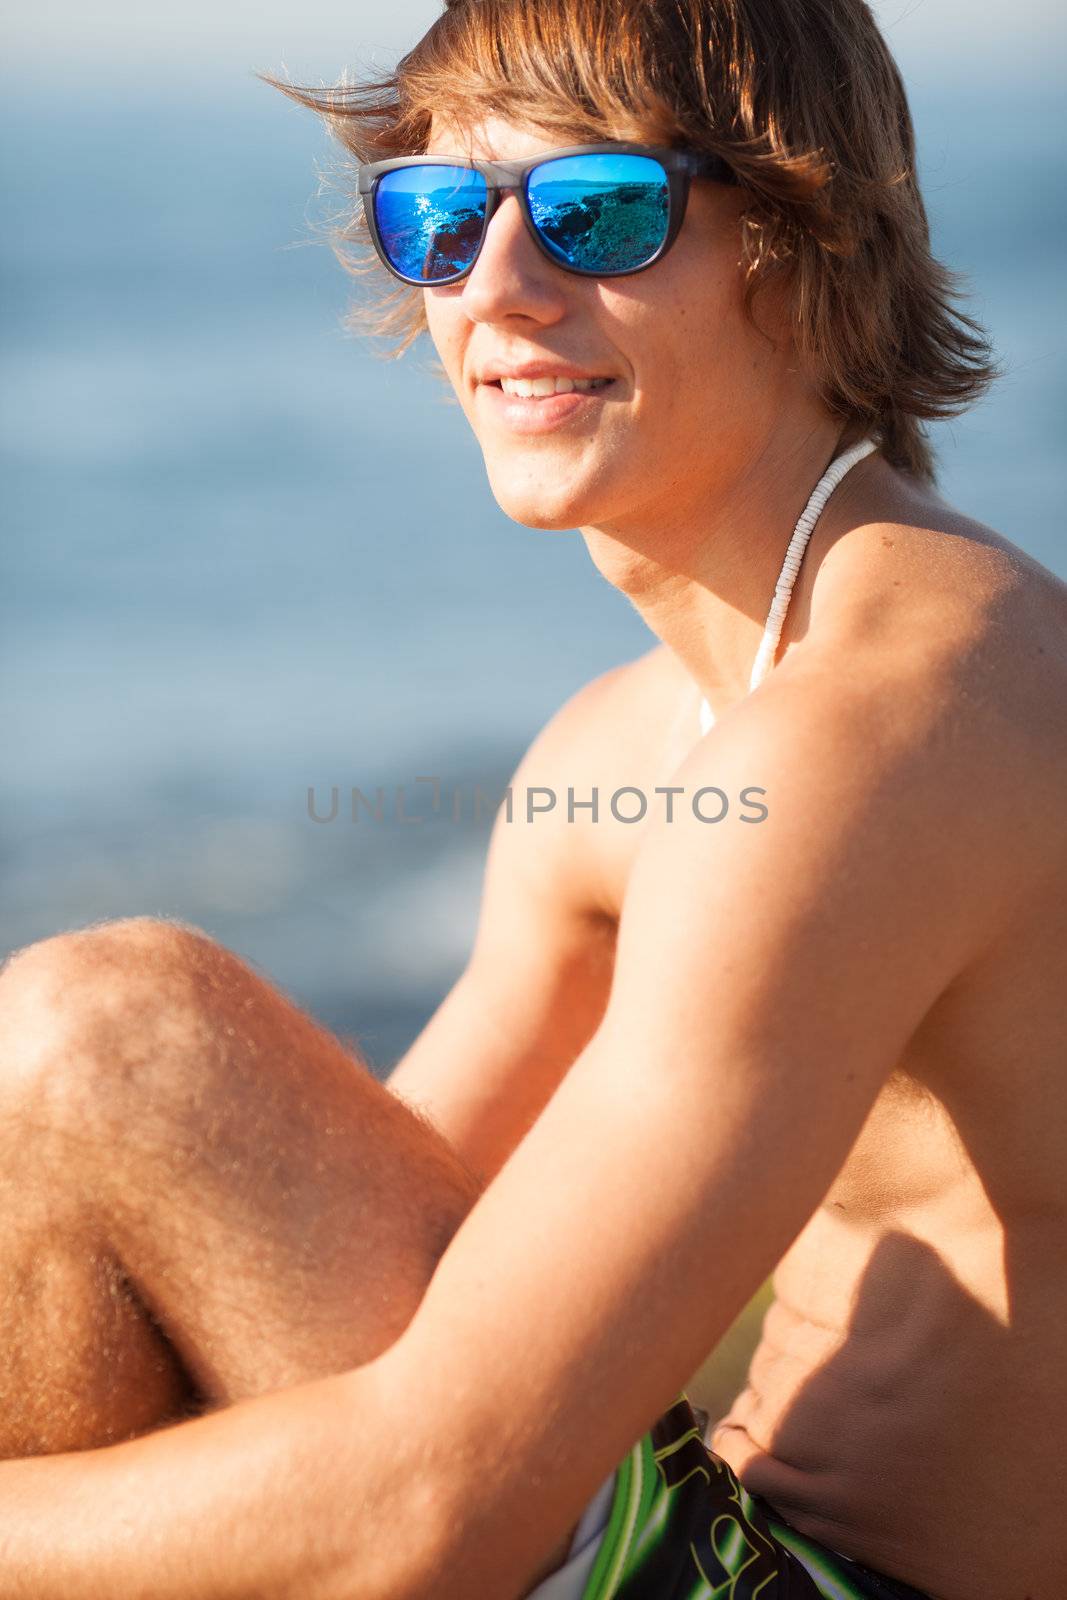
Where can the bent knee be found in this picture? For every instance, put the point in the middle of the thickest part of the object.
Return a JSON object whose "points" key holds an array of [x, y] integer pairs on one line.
{"points": [[151, 1019], [78, 1004], [60, 957]]}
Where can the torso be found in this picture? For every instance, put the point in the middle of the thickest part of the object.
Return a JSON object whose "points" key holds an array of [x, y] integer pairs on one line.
{"points": [[907, 1403]]}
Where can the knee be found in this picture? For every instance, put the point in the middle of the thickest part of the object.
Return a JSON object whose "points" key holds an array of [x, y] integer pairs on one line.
{"points": [[77, 1006]]}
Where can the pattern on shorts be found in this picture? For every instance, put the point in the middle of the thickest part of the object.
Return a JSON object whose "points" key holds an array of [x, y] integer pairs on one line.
{"points": [[683, 1527]]}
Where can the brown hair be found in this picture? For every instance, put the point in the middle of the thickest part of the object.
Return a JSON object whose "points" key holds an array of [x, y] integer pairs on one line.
{"points": [[801, 97]]}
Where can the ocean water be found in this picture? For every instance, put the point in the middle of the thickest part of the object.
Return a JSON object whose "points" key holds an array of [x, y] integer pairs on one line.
{"points": [[243, 557]]}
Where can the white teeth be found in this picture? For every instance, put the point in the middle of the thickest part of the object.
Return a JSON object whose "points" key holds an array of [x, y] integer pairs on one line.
{"points": [[536, 388]]}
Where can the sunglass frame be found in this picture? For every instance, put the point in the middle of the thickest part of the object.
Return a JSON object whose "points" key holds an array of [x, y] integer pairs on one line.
{"points": [[501, 177]]}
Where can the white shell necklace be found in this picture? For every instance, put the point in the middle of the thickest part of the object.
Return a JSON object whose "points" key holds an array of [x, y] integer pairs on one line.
{"points": [[783, 589]]}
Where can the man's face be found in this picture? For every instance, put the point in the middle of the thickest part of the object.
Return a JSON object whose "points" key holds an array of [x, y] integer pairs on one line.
{"points": [[694, 386]]}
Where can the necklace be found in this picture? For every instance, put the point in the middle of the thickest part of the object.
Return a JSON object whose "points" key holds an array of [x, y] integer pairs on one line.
{"points": [[783, 589]]}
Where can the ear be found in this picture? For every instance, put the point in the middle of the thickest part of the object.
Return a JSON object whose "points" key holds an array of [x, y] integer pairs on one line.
{"points": [[770, 305]]}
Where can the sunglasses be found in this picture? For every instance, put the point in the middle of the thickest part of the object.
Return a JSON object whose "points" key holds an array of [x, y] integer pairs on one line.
{"points": [[600, 210]]}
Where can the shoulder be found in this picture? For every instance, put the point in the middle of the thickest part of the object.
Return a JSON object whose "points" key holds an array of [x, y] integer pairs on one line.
{"points": [[820, 830], [923, 593], [620, 728], [612, 723], [938, 613], [627, 695], [925, 711]]}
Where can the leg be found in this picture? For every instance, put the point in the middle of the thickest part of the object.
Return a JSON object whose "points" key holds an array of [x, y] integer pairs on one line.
{"points": [[204, 1194]]}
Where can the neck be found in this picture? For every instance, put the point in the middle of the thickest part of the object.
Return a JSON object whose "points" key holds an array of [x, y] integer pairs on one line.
{"points": [[702, 571]]}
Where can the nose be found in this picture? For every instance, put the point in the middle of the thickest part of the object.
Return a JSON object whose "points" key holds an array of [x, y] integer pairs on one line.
{"points": [[511, 277]]}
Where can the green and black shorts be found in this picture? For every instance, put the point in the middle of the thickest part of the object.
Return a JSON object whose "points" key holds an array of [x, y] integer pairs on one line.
{"points": [[681, 1526]]}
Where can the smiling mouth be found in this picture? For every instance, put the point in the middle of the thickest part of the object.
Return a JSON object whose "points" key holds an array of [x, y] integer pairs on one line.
{"points": [[547, 389]]}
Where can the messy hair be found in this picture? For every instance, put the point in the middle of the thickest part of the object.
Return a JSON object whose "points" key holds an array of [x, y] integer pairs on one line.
{"points": [[803, 100]]}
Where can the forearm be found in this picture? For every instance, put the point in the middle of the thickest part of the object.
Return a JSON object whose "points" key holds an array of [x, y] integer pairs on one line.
{"points": [[261, 1501]]}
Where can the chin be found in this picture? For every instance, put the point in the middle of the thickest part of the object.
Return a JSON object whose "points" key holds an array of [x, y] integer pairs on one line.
{"points": [[531, 517], [535, 501], [528, 504], [536, 514]]}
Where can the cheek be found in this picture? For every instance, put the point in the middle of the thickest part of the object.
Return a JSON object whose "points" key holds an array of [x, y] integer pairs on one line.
{"points": [[680, 351], [689, 315], [697, 359], [445, 324]]}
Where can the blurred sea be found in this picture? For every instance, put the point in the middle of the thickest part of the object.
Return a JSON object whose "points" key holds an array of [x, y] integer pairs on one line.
{"points": [[242, 556]]}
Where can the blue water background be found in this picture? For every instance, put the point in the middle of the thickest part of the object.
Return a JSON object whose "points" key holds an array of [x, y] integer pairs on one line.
{"points": [[242, 556]]}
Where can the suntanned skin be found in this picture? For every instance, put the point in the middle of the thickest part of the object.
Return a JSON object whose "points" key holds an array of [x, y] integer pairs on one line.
{"points": [[906, 1400], [682, 1054]]}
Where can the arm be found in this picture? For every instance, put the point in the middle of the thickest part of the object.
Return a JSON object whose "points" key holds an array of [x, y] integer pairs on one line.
{"points": [[767, 980], [538, 978]]}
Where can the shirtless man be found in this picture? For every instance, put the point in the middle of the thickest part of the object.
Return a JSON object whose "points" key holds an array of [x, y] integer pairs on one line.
{"points": [[439, 1351]]}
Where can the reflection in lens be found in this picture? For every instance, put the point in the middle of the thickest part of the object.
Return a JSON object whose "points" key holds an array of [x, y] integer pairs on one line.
{"points": [[430, 219], [600, 213]]}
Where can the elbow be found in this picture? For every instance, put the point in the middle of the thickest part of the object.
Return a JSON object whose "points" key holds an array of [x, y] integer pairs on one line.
{"points": [[408, 1553]]}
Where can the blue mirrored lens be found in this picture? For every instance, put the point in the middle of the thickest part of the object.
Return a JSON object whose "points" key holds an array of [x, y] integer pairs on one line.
{"points": [[600, 213], [430, 219]]}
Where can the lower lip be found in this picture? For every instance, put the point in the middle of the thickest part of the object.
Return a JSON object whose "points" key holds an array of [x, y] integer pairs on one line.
{"points": [[543, 414]]}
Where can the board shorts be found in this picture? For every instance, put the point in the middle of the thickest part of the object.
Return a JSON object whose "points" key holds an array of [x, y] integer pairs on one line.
{"points": [[675, 1523]]}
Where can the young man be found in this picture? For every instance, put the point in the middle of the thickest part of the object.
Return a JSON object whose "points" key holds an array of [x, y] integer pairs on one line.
{"points": [[807, 1013]]}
